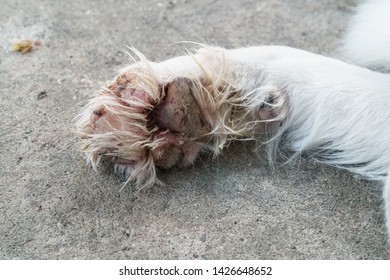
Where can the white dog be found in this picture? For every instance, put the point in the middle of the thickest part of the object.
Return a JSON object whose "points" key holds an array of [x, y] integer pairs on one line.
{"points": [[160, 115]]}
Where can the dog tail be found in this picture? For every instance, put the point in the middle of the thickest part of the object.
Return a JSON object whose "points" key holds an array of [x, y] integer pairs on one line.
{"points": [[367, 42]]}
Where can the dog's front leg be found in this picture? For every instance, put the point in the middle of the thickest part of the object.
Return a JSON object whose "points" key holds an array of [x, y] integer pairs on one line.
{"points": [[164, 114], [160, 115]]}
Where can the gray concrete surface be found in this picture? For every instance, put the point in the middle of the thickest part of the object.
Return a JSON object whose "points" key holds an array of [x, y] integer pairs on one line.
{"points": [[53, 206]]}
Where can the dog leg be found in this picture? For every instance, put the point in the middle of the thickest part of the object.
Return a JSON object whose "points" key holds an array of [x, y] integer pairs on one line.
{"points": [[163, 114]]}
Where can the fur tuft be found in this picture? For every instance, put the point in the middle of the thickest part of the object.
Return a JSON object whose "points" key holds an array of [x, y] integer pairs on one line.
{"points": [[367, 42]]}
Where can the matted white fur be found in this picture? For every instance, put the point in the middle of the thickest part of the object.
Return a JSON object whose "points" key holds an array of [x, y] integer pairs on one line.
{"points": [[306, 103]]}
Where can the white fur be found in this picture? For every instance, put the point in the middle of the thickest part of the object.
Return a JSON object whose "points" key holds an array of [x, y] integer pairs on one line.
{"points": [[368, 39], [335, 109]]}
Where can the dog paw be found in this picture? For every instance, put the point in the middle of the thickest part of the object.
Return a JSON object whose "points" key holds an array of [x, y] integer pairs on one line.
{"points": [[140, 124]]}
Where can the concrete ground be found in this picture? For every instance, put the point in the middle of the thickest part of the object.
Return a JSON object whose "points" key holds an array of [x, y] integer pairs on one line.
{"points": [[53, 206]]}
